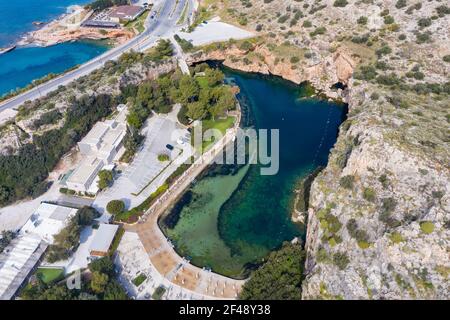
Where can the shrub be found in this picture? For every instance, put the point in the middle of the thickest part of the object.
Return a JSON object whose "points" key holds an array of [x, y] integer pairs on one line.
{"points": [[402, 37], [295, 59], [163, 157], [446, 58], [400, 4], [423, 37], [389, 20], [115, 207], [279, 278], [340, 3], [341, 260], [383, 51], [366, 73], [369, 194], [363, 244], [362, 20], [374, 96], [396, 237], [347, 182], [427, 227], [105, 179], [307, 24], [424, 22]]}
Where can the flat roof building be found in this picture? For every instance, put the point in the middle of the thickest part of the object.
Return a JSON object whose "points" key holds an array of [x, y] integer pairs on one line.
{"points": [[22, 254], [48, 220], [102, 240], [99, 147], [125, 13]]}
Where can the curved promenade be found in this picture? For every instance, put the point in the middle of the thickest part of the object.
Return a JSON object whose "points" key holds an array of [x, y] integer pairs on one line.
{"points": [[162, 253]]}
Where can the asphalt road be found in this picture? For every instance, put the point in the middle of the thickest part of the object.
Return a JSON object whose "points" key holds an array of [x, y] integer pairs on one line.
{"points": [[161, 25]]}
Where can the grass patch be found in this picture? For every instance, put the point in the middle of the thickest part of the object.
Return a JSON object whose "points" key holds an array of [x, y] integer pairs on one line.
{"points": [[132, 215], [220, 124], [159, 292], [50, 275], [396, 237], [427, 227], [116, 240], [139, 279]]}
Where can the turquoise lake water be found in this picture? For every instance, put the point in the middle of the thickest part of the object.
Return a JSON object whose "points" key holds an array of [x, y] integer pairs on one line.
{"points": [[230, 222], [21, 66]]}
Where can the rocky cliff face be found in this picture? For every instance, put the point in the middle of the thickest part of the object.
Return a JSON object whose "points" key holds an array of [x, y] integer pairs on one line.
{"points": [[335, 68], [378, 218]]}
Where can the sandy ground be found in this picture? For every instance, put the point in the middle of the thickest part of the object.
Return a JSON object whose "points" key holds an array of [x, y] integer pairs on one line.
{"points": [[215, 31], [6, 115]]}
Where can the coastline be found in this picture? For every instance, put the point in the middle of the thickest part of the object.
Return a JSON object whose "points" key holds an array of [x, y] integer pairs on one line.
{"points": [[67, 27]]}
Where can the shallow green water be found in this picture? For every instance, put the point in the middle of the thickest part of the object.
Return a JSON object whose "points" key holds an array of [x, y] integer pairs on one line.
{"points": [[233, 221]]}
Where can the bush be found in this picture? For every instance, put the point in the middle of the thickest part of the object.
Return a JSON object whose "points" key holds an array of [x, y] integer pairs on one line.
{"points": [[446, 58], [423, 37], [115, 207], [427, 227], [341, 260], [384, 50], [424, 22], [162, 157], [362, 20], [389, 20], [279, 278], [340, 3], [295, 59], [369, 194], [396, 237], [400, 4], [347, 182], [307, 24], [105, 179]]}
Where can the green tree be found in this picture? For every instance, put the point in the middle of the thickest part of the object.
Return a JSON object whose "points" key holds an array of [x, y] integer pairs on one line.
{"points": [[114, 291], [86, 215], [189, 90], [196, 110], [115, 207], [279, 278], [106, 179], [99, 281], [214, 76], [103, 265]]}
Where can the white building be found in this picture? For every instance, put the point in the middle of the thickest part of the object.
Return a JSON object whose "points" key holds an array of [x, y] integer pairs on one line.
{"points": [[48, 220], [100, 147], [125, 13], [102, 240], [22, 254]]}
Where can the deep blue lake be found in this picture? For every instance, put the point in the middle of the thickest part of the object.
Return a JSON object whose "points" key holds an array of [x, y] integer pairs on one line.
{"points": [[233, 221]]}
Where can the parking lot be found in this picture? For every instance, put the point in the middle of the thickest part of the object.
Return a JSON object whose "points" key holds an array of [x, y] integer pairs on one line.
{"points": [[146, 173]]}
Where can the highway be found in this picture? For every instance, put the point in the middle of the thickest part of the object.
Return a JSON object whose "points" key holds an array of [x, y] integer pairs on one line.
{"points": [[163, 24]]}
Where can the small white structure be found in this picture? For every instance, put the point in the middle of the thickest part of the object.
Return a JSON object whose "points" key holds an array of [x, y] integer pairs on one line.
{"points": [[102, 240], [48, 220], [125, 13], [99, 147], [22, 254]]}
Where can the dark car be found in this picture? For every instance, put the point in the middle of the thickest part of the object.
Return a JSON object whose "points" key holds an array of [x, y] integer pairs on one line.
{"points": [[169, 146]]}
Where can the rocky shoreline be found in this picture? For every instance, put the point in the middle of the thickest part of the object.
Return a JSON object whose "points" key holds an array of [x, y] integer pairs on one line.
{"points": [[67, 27]]}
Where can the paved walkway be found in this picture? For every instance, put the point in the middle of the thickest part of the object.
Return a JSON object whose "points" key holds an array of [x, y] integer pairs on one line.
{"points": [[161, 252]]}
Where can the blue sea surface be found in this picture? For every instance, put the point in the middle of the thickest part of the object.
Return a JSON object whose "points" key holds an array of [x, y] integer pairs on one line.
{"points": [[21, 66], [17, 17]]}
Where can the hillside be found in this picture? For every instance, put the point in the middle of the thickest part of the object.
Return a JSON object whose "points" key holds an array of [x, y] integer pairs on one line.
{"points": [[378, 219]]}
